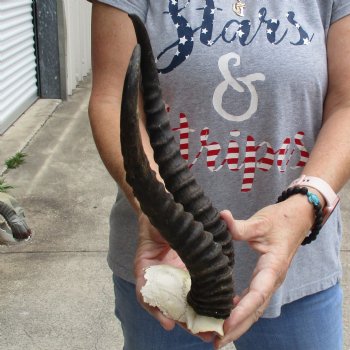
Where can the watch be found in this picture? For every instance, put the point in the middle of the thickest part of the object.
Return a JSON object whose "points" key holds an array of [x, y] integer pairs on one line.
{"points": [[321, 186]]}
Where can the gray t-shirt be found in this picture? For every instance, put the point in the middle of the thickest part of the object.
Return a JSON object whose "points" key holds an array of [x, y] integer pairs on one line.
{"points": [[245, 98]]}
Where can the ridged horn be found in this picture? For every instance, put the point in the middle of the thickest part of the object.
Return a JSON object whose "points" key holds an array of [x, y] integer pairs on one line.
{"points": [[173, 169], [211, 291], [18, 226]]}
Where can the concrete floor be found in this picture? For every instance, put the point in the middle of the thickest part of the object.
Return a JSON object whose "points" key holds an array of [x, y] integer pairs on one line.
{"points": [[56, 292]]}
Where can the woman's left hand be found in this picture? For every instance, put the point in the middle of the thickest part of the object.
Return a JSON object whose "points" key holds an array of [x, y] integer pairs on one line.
{"points": [[276, 232]]}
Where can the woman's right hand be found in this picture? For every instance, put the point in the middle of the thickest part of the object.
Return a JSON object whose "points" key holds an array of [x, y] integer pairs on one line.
{"points": [[153, 249]]}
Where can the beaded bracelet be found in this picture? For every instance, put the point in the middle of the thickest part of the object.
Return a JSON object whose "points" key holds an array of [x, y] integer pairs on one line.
{"points": [[313, 199]]}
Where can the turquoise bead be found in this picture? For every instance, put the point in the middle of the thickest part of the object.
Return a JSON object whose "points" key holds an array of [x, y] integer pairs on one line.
{"points": [[313, 199]]}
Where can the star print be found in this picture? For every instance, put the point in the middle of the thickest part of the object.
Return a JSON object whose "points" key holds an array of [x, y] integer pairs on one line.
{"points": [[205, 31], [177, 53], [274, 20], [177, 25], [174, 2], [240, 33], [210, 43], [212, 12], [183, 40], [269, 31], [307, 41]]}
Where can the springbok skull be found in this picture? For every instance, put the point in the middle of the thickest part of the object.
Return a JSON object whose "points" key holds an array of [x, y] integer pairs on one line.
{"points": [[179, 209]]}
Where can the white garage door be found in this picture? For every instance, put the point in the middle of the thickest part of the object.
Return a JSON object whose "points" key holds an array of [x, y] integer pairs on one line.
{"points": [[18, 84]]}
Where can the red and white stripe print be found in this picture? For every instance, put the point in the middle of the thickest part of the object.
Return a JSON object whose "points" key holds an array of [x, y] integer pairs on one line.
{"points": [[304, 154], [232, 156], [282, 155], [184, 135], [249, 165], [265, 163], [291, 148]]}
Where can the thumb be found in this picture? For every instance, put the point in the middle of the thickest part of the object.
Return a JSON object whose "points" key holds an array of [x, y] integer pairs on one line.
{"points": [[245, 230]]}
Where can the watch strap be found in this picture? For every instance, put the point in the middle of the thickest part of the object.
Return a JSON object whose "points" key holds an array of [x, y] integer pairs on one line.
{"points": [[323, 187]]}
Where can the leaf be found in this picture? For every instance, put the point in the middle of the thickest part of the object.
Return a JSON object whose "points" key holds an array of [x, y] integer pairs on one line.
{"points": [[15, 161], [4, 187]]}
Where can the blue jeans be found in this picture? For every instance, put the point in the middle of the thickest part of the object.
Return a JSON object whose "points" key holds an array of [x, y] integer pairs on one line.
{"points": [[311, 323]]}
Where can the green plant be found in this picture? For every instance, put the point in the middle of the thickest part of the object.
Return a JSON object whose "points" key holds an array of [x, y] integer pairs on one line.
{"points": [[4, 187], [15, 161]]}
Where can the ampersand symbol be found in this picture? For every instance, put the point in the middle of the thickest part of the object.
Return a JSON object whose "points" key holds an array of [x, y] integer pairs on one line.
{"points": [[231, 81]]}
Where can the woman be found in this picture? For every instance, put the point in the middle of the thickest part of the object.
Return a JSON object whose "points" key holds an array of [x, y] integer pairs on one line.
{"points": [[259, 95]]}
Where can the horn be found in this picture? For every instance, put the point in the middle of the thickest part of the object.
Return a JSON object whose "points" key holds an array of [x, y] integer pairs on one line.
{"points": [[172, 212], [18, 226], [174, 170]]}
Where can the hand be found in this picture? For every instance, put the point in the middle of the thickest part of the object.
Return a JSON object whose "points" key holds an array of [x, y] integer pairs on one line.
{"points": [[276, 232], [154, 250]]}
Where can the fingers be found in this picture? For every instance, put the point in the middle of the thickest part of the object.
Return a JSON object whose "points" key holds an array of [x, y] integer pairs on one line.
{"points": [[247, 230], [165, 322], [251, 306], [152, 250], [207, 337]]}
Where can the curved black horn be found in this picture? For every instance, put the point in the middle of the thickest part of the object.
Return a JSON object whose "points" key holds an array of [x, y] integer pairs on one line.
{"points": [[211, 275], [173, 168]]}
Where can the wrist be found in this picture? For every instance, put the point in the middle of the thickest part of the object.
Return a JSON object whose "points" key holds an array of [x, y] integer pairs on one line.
{"points": [[314, 201], [327, 197], [319, 196], [304, 211]]}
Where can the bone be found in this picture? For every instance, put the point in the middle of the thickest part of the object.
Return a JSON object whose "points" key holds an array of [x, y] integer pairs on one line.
{"points": [[210, 269], [166, 288]]}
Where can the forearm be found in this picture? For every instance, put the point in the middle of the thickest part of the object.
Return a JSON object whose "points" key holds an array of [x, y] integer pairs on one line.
{"points": [[113, 39], [330, 158], [104, 113]]}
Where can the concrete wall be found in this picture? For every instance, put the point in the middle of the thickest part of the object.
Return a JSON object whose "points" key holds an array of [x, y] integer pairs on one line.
{"points": [[48, 57], [75, 41], [63, 45]]}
